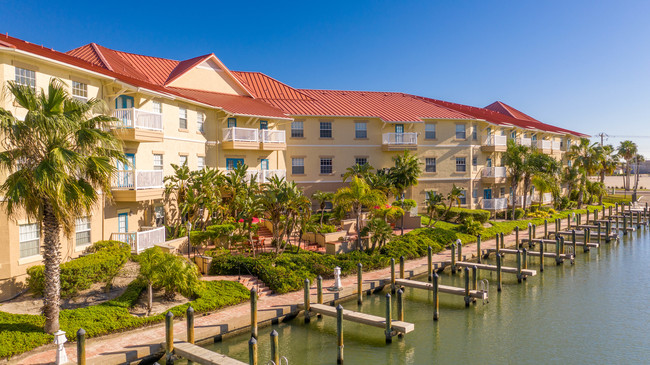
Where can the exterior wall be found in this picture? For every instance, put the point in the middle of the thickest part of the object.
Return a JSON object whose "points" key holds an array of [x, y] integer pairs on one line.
{"points": [[203, 77]]}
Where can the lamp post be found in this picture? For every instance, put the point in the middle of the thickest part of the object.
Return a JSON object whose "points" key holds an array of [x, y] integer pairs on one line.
{"points": [[189, 229]]}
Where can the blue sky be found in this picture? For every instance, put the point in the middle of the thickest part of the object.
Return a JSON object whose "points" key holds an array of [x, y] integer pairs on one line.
{"points": [[583, 65]]}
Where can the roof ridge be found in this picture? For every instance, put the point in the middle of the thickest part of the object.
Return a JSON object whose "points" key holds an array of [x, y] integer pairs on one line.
{"points": [[95, 48]]}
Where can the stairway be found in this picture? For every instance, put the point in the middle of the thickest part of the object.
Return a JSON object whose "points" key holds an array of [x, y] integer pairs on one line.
{"points": [[251, 282], [264, 232]]}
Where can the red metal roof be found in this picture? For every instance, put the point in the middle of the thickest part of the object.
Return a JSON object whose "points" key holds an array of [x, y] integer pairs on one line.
{"points": [[266, 87], [506, 109]]}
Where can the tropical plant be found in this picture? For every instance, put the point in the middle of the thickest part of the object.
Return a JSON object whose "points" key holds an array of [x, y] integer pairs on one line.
{"points": [[638, 158], [584, 157], [322, 198], [357, 195], [433, 200], [380, 232], [56, 160], [471, 227], [381, 181], [543, 184], [405, 174], [361, 171], [515, 160], [627, 150]]}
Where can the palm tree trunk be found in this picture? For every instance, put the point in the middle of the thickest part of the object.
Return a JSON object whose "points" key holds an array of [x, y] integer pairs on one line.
{"points": [[149, 297], [514, 201], [52, 260]]}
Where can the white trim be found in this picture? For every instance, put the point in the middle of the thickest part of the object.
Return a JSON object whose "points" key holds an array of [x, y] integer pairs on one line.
{"points": [[445, 178], [319, 181], [82, 247], [185, 139], [335, 145], [30, 259]]}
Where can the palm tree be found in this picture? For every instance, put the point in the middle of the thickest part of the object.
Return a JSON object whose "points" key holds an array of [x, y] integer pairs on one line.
{"points": [[431, 202], [638, 158], [381, 181], [627, 150], [380, 232], [570, 176], [56, 159], [362, 171], [355, 197], [322, 198], [584, 157], [515, 160], [405, 174], [543, 184], [176, 188]]}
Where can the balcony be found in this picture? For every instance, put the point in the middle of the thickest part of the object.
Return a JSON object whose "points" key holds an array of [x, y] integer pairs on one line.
{"points": [[494, 175], [235, 138], [520, 200], [495, 204], [140, 241], [524, 142], [547, 198], [399, 141], [543, 146], [138, 125], [495, 143], [263, 176], [556, 147], [137, 185]]}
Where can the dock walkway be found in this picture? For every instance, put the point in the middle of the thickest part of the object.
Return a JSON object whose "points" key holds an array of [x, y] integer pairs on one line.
{"points": [[362, 318], [476, 294]]}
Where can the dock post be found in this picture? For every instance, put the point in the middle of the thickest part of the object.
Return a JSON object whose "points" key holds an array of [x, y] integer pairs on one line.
{"points": [[467, 297], [497, 245], [359, 283], [190, 324], [429, 262], [498, 272], [530, 234], [307, 303], [478, 248], [546, 228], [599, 233], [503, 243], [616, 208], [579, 219], [519, 266], [638, 219], [81, 347], [453, 258], [275, 347], [401, 267], [557, 250], [587, 222], [400, 305], [558, 224], [562, 250], [319, 289], [252, 351], [610, 211], [595, 215], [608, 229], [339, 332], [624, 225], [534, 231], [436, 312], [392, 274], [573, 242], [524, 259], [169, 337], [474, 277], [516, 237], [389, 324], [568, 221], [541, 257], [460, 250], [253, 296], [587, 232], [617, 225]]}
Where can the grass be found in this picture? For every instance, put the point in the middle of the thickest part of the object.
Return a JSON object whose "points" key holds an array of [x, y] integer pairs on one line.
{"points": [[23, 332]]}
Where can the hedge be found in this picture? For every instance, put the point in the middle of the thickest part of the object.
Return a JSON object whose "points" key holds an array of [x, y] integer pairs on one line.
{"points": [[459, 214], [105, 260]]}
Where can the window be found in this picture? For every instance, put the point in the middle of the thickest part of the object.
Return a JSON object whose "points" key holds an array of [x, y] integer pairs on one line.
{"points": [[159, 215], [568, 144], [513, 135], [429, 131], [183, 160], [475, 193], [488, 131], [488, 162], [360, 130], [460, 131], [463, 197], [326, 165], [82, 231], [474, 161], [298, 166], [232, 163], [200, 162], [157, 161], [26, 77], [157, 107], [79, 90], [430, 194], [297, 129], [474, 132], [430, 165], [29, 239], [232, 122], [502, 192], [325, 129], [182, 118], [200, 119], [361, 160], [460, 164]]}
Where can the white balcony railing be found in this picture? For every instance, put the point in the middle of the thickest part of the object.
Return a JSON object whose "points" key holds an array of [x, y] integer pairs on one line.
{"points": [[495, 140], [140, 241], [494, 172], [400, 138], [236, 134], [520, 200], [544, 145], [495, 204], [272, 136], [136, 118], [555, 145], [265, 175], [138, 179], [524, 141], [547, 198]]}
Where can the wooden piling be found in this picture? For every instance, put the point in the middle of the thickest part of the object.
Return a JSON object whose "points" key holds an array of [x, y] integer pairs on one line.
{"points": [[460, 250], [430, 262], [339, 332], [534, 231], [319, 289], [253, 296], [599, 235], [530, 234], [524, 259], [587, 222], [519, 277], [468, 299], [624, 225], [359, 283], [400, 305], [169, 337], [474, 278], [275, 347], [252, 351], [307, 301], [392, 274], [608, 229], [516, 238], [436, 312], [497, 246], [503, 243], [573, 242], [579, 219], [557, 250], [401, 267], [190, 324], [546, 228], [541, 256], [453, 258], [389, 324], [610, 210], [499, 272], [81, 346]]}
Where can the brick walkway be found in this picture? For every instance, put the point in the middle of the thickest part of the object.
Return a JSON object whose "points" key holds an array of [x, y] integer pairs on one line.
{"points": [[129, 346]]}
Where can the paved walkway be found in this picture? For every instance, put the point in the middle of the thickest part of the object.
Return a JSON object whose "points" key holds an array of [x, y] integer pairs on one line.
{"points": [[132, 345]]}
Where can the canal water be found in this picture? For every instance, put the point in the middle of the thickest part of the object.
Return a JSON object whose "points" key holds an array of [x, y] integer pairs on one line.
{"points": [[596, 311]]}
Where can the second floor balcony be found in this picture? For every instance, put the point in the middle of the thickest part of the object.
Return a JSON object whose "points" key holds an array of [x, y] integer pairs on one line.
{"points": [[494, 175], [556, 147], [520, 200], [142, 240], [399, 141], [494, 143], [236, 138], [138, 125], [544, 146], [137, 185], [524, 142], [495, 204]]}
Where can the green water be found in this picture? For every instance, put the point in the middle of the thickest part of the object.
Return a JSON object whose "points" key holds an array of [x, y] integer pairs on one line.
{"points": [[595, 311]]}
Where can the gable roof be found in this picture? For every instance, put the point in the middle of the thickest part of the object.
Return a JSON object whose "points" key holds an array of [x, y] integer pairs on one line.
{"points": [[506, 109], [184, 66], [265, 87]]}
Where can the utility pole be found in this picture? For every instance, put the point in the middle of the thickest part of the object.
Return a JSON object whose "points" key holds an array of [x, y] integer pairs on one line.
{"points": [[602, 138]]}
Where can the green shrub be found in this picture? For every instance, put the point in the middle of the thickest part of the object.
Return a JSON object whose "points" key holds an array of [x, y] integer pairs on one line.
{"points": [[612, 199], [327, 228], [471, 227], [174, 274], [105, 260], [459, 214]]}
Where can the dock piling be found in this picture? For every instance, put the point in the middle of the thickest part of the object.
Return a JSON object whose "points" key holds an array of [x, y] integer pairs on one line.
{"points": [[498, 272], [401, 267], [275, 347], [557, 250], [453, 258], [81, 346], [608, 228], [460, 250], [519, 277], [339, 332], [359, 284], [400, 304], [430, 262], [497, 246], [253, 296], [541, 257], [516, 238], [585, 247], [530, 234], [252, 351], [392, 274], [478, 248], [546, 228], [169, 337], [319, 289], [474, 278], [599, 234], [468, 299], [389, 324], [307, 301], [624, 225], [190, 324], [503, 243], [436, 312], [534, 231], [524, 260]]}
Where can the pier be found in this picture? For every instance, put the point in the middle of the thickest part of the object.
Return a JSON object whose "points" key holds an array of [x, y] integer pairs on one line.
{"points": [[362, 318]]}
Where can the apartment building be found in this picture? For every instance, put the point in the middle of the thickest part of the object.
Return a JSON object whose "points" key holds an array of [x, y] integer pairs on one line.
{"points": [[199, 112]]}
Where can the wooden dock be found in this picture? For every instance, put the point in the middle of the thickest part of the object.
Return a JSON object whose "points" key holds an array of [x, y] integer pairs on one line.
{"points": [[362, 318], [552, 242], [504, 269], [567, 256], [476, 294], [591, 234], [203, 356]]}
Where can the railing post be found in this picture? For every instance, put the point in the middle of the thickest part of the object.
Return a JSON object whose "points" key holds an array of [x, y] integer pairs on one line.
{"points": [[81, 347], [190, 324]]}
